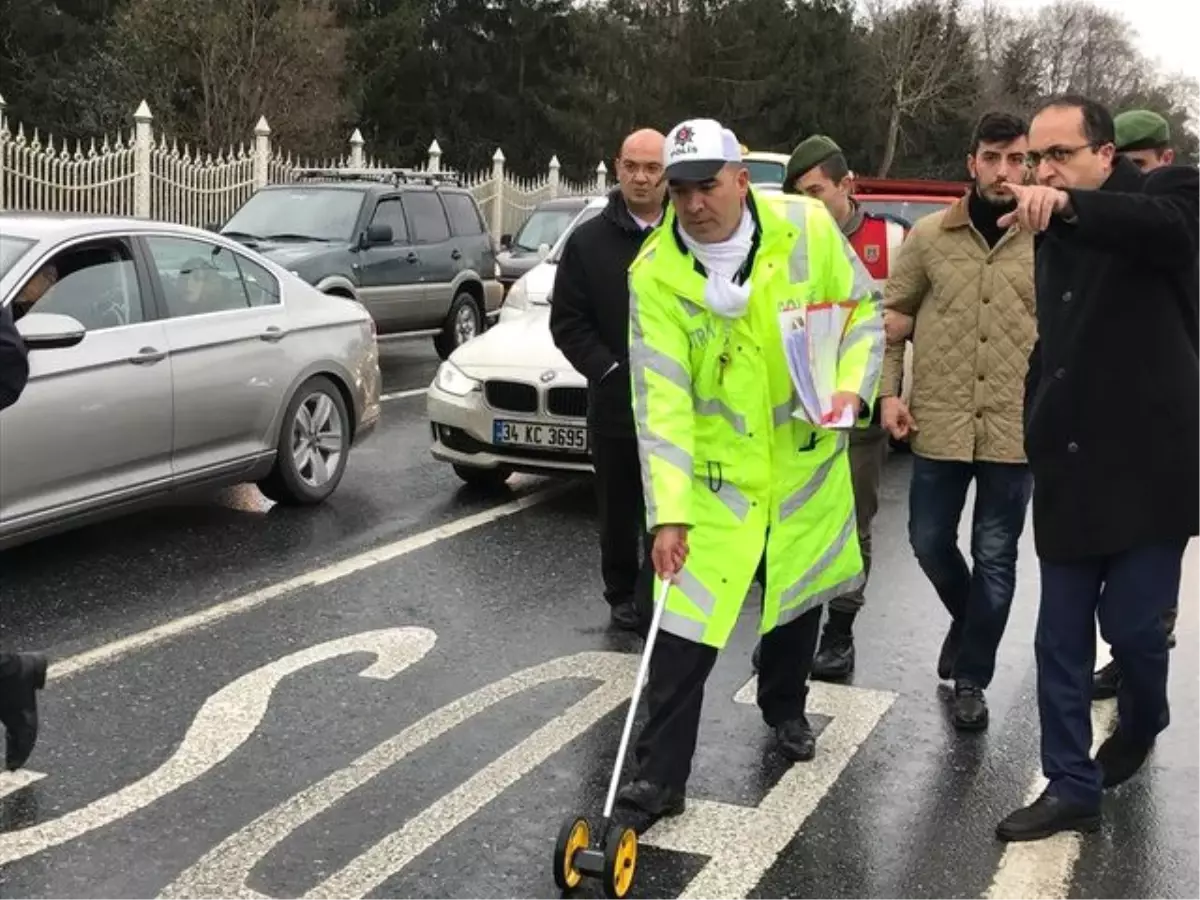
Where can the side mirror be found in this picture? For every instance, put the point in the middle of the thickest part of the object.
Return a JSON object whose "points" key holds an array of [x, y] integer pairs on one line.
{"points": [[543, 250], [377, 234], [506, 242], [50, 331]]}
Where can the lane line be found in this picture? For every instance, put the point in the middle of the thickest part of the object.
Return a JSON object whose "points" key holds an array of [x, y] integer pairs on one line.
{"points": [[11, 782], [113, 650], [400, 395]]}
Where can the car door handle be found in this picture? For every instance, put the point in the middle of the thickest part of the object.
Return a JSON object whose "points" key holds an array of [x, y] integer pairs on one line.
{"points": [[272, 334], [456, 253], [148, 355], [412, 257]]}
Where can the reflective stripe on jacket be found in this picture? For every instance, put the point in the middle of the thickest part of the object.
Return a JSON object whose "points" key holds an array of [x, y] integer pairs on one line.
{"points": [[720, 450]]}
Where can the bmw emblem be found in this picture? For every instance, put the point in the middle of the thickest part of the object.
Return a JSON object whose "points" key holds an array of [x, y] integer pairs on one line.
{"points": [[547, 376]]}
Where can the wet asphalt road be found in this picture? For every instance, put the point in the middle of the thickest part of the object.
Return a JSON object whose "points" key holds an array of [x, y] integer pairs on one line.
{"points": [[418, 721]]}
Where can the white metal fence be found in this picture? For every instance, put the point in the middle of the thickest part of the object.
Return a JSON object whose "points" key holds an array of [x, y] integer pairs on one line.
{"points": [[143, 174]]}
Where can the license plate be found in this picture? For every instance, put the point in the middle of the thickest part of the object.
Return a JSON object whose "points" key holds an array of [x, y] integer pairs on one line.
{"points": [[568, 438]]}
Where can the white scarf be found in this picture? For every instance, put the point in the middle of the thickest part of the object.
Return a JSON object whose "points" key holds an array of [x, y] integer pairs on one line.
{"points": [[722, 261]]}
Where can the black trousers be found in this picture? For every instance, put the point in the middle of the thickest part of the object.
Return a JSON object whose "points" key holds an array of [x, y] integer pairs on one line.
{"points": [[625, 544], [1129, 593], [679, 669]]}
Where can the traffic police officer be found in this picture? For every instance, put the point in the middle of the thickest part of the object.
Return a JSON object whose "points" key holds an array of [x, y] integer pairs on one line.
{"points": [[737, 489]]}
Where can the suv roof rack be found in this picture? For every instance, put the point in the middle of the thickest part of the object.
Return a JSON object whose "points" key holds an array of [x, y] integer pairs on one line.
{"points": [[382, 176]]}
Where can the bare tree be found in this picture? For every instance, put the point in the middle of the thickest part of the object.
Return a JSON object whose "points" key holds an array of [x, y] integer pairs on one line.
{"points": [[917, 64]]}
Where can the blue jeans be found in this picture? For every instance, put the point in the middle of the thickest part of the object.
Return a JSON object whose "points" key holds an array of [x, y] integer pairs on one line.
{"points": [[1129, 593], [978, 598]]}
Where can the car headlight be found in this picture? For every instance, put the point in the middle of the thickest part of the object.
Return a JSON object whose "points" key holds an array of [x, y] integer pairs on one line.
{"points": [[518, 295], [451, 379]]}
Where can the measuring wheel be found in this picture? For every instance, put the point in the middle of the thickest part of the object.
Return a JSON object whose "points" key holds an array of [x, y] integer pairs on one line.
{"points": [[620, 861], [572, 838]]}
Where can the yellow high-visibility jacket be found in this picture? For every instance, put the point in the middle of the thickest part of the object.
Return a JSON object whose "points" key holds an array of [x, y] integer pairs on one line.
{"points": [[720, 450]]}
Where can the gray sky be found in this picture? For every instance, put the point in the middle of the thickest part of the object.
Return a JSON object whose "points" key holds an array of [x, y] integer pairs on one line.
{"points": [[1163, 32]]}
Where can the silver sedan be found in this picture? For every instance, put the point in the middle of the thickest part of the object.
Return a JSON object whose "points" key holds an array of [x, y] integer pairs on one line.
{"points": [[164, 357]]}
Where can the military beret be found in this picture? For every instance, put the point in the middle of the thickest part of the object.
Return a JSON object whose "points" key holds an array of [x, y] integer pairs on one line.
{"points": [[1141, 129], [810, 152]]}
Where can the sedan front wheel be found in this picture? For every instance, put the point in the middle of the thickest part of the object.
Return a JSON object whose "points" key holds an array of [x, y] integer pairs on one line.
{"points": [[314, 444]]}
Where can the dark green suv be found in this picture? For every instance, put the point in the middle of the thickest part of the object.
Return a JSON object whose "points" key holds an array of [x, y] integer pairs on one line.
{"points": [[412, 247]]}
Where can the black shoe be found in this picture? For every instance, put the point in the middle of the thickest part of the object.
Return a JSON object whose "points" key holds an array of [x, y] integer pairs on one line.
{"points": [[835, 657], [652, 799], [1106, 682], [1119, 758], [625, 616], [949, 653], [796, 740], [1046, 816], [970, 707], [18, 711], [756, 656]]}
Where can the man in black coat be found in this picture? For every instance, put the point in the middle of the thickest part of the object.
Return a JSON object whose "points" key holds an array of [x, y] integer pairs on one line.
{"points": [[1113, 439], [21, 674], [589, 318]]}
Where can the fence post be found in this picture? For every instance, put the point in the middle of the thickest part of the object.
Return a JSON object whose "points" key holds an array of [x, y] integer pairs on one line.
{"points": [[601, 179], [498, 196], [555, 171], [141, 160], [435, 157], [262, 152], [356, 149], [3, 149]]}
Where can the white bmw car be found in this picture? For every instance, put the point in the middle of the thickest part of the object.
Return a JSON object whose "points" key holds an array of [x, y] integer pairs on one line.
{"points": [[508, 401]]}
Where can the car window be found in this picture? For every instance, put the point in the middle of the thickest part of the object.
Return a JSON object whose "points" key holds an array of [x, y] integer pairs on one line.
{"points": [[426, 217], [391, 212], [197, 277], [262, 288], [464, 214], [764, 171], [908, 210], [545, 226], [590, 213], [300, 213], [11, 249], [94, 283]]}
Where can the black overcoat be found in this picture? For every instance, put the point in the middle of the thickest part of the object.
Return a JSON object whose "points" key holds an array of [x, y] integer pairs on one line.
{"points": [[1112, 397]]}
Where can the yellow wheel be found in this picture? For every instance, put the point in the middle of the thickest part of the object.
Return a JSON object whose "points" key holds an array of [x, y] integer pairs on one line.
{"points": [[572, 837], [620, 861]]}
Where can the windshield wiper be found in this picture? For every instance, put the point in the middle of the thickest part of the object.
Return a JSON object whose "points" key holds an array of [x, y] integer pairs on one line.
{"points": [[287, 236], [241, 234]]}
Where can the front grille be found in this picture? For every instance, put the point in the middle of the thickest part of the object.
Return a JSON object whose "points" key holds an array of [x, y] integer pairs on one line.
{"points": [[567, 401], [511, 395]]}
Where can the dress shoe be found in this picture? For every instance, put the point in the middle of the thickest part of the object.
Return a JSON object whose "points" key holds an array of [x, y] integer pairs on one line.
{"points": [[796, 740], [18, 708], [652, 799], [756, 656], [835, 657], [625, 616], [970, 707], [949, 653], [1046, 816], [1106, 682], [1120, 757]]}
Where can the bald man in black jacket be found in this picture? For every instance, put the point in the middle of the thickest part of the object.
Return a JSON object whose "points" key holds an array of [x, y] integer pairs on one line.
{"points": [[22, 675]]}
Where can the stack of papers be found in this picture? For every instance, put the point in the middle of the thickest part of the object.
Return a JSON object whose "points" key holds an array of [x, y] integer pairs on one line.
{"points": [[812, 339]]}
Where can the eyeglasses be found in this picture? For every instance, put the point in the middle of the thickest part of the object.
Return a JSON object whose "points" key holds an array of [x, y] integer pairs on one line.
{"points": [[652, 169], [1059, 155]]}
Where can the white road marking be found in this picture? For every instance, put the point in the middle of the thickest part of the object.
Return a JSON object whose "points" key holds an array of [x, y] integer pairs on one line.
{"points": [[11, 782], [226, 720], [1041, 870], [122, 647], [743, 844], [400, 395], [224, 871]]}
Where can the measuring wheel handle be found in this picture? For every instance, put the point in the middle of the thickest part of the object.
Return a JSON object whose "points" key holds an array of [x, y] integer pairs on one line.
{"points": [[620, 861], [573, 840]]}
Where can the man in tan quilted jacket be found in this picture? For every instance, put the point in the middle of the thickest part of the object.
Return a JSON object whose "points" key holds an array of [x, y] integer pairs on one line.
{"points": [[968, 284]]}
